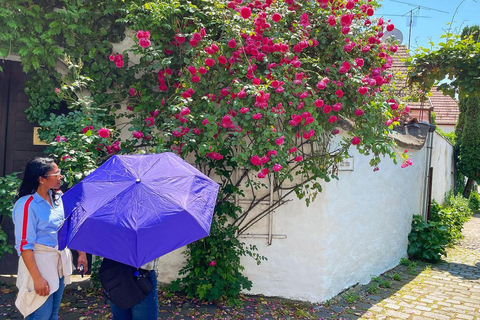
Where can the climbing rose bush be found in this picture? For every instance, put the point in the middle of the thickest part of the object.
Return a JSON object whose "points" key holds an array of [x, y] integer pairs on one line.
{"points": [[264, 86], [255, 93]]}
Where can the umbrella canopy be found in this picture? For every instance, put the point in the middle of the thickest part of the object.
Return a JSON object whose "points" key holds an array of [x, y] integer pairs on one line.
{"points": [[135, 208]]}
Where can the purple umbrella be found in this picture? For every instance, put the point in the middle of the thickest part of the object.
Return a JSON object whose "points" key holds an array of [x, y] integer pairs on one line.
{"points": [[136, 208]]}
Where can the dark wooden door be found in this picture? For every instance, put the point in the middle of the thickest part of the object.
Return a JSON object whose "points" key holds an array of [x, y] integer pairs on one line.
{"points": [[16, 133], [16, 140]]}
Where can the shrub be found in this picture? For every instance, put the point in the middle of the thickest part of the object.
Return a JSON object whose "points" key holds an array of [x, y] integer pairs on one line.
{"points": [[8, 191], [474, 202], [453, 216], [427, 240]]}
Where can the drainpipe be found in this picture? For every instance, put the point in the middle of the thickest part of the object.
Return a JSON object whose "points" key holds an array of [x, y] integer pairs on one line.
{"points": [[427, 185]]}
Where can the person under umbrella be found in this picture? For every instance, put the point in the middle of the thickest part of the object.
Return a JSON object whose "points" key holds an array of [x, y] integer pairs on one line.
{"points": [[38, 213], [131, 210], [131, 292]]}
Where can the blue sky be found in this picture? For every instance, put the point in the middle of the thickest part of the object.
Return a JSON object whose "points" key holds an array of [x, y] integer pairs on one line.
{"points": [[425, 30]]}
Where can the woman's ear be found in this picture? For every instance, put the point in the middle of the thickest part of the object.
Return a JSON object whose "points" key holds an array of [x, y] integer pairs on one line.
{"points": [[41, 180]]}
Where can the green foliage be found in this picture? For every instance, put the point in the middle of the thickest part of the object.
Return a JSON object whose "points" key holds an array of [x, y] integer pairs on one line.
{"points": [[9, 185], [427, 240], [382, 283], [450, 136], [373, 287], [213, 269], [456, 58], [453, 215], [474, 201], [351, 297], [405, 262], [468, 133], [94, 276]]}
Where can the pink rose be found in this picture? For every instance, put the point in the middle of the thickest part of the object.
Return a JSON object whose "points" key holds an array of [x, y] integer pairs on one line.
{"points": [[362, 90], [245, 12], [332, 119], [150, 121], [359, 112], [280, 140], [276, 17], [318, 103], [144, 43], [212, 263], [355, 140], [277, 167], [222, 60], [232, 43], [185, 111], [103, 133], [209, 62], [138, 134], [255, 160]]}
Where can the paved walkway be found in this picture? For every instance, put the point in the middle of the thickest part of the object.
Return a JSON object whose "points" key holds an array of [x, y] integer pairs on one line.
{"points": [[447, 290]]}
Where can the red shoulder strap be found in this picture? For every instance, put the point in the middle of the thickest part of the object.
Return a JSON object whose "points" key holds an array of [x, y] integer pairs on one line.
{"points": [[25, 222]]}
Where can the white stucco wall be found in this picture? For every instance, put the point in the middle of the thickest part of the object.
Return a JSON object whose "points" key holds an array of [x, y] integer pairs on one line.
{"points": [[443, 167], [356, 228]]}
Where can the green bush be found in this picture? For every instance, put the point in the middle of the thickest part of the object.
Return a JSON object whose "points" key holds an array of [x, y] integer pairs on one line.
{"points": [[453, 215], [474, 201], [458, 202], [427, 240], [8, 191]]}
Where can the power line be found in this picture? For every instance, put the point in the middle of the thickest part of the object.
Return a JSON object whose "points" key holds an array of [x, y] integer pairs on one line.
{"points": [[410, 14]]}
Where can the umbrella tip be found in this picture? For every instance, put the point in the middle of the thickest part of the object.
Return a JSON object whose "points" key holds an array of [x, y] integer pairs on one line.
{"points": [[138, 180]]}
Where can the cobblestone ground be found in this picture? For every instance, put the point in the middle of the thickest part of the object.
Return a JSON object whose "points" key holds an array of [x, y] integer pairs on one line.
{"points": [[447, 290], [412, 290]]}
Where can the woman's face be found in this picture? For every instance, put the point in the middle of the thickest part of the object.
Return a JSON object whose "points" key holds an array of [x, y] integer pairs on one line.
{"points": [[53, 178]]}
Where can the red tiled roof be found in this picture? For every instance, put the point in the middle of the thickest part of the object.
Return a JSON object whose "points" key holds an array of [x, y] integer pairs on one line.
{"points": [[445, 107], [420, 110]]}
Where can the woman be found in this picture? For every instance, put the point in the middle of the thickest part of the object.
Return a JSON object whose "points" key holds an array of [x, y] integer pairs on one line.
{"points": [[38, 213]]}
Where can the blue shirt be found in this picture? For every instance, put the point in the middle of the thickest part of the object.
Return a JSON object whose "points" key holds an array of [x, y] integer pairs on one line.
{"points": [[36, 221]]}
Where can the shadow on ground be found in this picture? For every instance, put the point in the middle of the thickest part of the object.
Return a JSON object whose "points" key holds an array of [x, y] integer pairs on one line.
{"points": [[80, 302]]}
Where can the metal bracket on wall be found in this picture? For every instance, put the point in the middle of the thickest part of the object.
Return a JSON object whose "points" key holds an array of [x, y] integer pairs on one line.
{"points": [[269, 236]]}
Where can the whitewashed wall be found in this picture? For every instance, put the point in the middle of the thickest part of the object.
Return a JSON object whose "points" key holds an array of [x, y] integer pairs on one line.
{"points": [[443, 167], [355, 229]]}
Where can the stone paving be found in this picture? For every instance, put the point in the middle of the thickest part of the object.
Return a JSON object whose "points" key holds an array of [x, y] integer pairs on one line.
{"points": [[447, 290], [413, 290]]}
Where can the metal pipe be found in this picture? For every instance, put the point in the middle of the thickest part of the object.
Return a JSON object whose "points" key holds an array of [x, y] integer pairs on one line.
{"points": [[428, 163], [270, 215], [263, 236]]}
